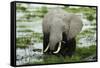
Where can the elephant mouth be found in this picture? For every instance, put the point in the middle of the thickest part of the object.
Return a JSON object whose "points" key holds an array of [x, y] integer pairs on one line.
{"points": [[58, 49]]}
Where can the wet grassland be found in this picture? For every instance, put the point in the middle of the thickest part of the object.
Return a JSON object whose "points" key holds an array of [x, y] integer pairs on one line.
{"points": [[29, 36]]}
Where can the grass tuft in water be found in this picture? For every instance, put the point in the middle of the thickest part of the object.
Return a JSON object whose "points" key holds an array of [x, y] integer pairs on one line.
{"points": [[27, 30], [23, 42], [80, 55]]}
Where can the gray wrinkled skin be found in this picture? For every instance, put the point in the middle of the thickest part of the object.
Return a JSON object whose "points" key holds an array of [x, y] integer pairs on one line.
{"points": [[57, 21]]}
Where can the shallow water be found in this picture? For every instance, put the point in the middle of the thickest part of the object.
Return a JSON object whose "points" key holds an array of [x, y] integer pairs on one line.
{"points": [[87, 40], [34, 52], [29, 55]]}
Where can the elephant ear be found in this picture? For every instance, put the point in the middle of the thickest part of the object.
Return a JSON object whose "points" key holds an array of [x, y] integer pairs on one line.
{"points": [[75, 27]]}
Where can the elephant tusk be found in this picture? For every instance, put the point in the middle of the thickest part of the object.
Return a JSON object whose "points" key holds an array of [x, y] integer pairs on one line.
{"points": [[46, 48], [59, 47]]}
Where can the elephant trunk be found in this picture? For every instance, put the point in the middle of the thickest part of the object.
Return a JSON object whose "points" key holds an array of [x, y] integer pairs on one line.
{"points": [[52, 43], [55, 37]]}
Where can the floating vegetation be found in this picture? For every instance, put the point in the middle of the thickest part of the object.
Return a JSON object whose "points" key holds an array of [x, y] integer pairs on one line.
{"points": [[29, 18], [22, 26], [38, 37], [80, 55], [87, 32], [26, 40], [86, 51], [22, 42], [21, 8], [90, 17], [27, 30]]}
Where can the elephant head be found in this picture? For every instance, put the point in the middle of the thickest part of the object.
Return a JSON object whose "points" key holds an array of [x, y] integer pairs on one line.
{"points": [[55, 36]]}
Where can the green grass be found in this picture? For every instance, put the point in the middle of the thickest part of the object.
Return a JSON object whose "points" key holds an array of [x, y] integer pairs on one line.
{"points": [[80, 55], [90, 17], [27, 30], [37, 36], [89, 12], [87, 32], [86, 51], [22, 42], [21, 46], [22, 26]]}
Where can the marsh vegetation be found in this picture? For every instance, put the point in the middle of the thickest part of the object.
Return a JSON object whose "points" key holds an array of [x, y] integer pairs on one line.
{"points": [[29, 36]]}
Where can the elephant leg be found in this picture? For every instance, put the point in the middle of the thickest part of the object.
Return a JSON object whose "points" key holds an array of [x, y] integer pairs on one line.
{"points": [[71, 47], [64, 48], [45, 43], [68, 47]]}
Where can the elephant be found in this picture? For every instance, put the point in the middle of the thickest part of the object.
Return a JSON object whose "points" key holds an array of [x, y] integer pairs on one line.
{"points": [[59, 31]]}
